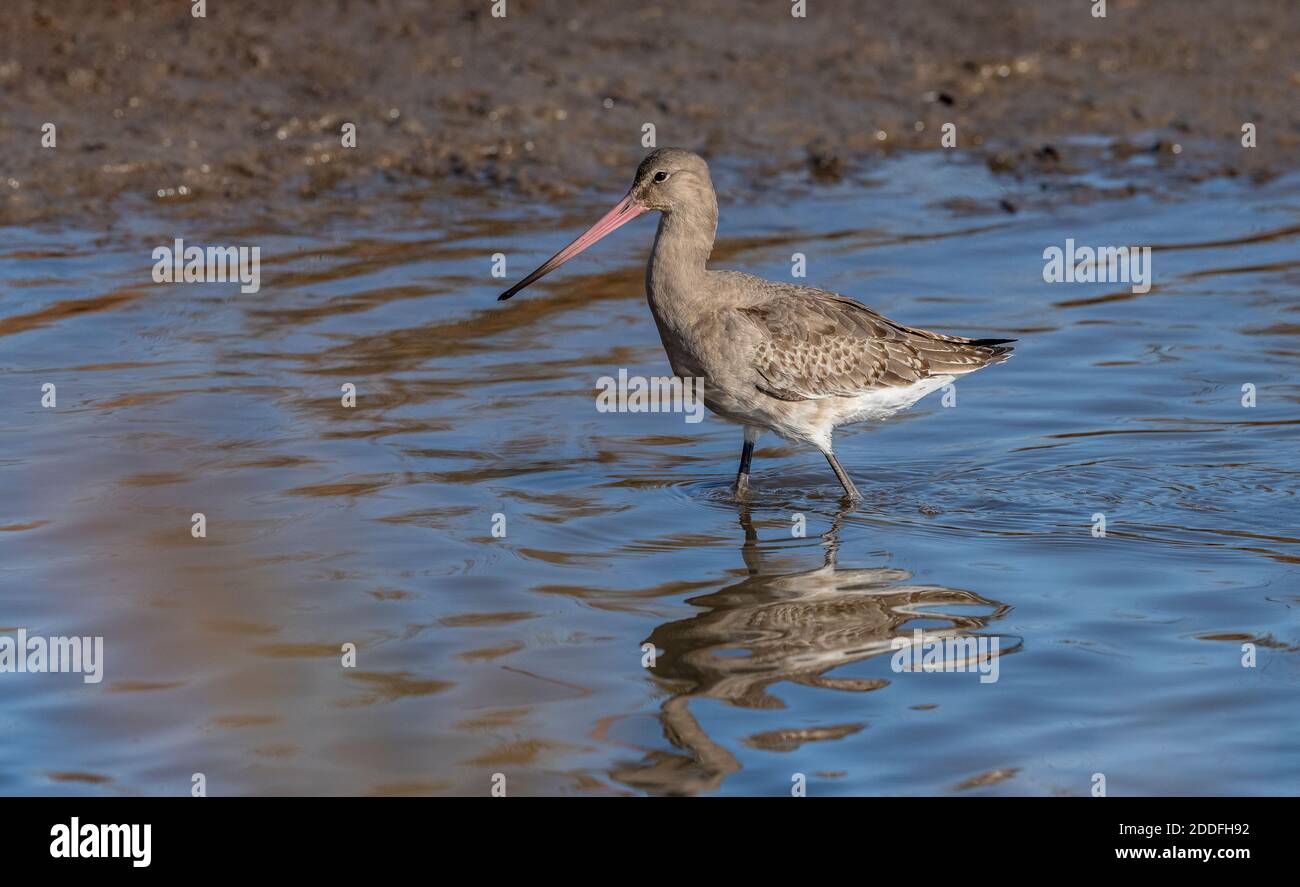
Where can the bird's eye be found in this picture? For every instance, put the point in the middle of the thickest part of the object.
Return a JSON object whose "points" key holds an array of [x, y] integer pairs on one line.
{"points": [[661, 176]]}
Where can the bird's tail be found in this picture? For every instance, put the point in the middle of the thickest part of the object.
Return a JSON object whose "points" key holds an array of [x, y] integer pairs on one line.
{"points": [[957, 356], [998, 349]]}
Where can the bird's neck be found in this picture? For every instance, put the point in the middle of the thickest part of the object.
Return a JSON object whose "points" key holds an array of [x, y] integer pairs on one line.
{"points": [[681, 251]]}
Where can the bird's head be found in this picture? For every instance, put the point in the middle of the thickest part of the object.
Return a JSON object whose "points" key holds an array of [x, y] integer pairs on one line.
{"points": [[670, 180]]}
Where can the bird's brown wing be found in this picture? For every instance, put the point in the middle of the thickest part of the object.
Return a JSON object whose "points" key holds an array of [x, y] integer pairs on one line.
{"points": [[814, 344]]}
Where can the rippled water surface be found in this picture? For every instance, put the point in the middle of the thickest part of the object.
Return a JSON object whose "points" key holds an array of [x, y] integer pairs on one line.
{"points": [[523, 655]]}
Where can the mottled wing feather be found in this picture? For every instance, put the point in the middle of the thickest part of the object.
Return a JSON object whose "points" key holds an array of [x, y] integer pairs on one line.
{"points": [[815, 344]]}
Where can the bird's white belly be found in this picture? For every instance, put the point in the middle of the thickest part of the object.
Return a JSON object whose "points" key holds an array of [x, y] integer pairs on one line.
{"points": [[812, 421], [874, 406]]}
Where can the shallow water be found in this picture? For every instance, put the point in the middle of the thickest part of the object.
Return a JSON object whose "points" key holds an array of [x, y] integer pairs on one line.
{"points": [[523, 655]]}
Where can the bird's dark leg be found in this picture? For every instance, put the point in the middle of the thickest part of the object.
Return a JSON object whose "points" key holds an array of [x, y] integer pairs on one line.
{"points": [[746, 456], [850, 490], [742, 476]]}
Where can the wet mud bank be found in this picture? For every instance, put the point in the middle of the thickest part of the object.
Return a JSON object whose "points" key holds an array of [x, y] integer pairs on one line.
{"points": [[245, 110]]}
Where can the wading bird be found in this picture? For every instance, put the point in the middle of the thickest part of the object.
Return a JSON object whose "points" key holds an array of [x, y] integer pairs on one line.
{"points": [[790, 359]]}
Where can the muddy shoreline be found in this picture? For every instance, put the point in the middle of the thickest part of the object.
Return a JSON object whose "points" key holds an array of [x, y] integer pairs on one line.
{"points": [[242, 112]]}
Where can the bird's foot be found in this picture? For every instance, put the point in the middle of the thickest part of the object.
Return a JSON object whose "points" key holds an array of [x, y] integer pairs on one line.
{"points": [[741, 487]]}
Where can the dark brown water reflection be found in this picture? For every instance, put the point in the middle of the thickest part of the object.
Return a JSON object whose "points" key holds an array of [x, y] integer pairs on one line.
{"points": [[522, 655], [774, 628]]}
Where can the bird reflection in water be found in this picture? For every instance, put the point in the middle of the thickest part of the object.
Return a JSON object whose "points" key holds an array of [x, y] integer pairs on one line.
{"points": [[784, 626]]}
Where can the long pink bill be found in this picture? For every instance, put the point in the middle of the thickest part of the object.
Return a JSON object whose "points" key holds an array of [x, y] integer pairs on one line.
{"points": [[627, 210]]}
